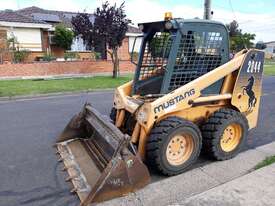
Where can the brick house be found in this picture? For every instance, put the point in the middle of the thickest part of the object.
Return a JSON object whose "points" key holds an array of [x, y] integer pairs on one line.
{"points": [[26, 30], [34, 28]]}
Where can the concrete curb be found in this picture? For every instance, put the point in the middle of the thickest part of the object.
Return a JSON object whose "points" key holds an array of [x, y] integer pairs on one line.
{"points": [[51, 95], [64, 76], [254, 189], [176, 189]]}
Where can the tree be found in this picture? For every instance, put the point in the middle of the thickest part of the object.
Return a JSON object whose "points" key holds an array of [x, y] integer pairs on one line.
{"points": [[238, 39], [108, 30], [63, 37], [158, 45], [233, 28], [83, 27]]}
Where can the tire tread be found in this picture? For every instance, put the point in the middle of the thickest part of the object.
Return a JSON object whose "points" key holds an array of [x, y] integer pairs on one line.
{"points": [[158, 135], [210, 131]]}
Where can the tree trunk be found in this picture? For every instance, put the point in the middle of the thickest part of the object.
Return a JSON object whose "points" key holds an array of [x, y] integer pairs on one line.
{"points": [[115, 61]]}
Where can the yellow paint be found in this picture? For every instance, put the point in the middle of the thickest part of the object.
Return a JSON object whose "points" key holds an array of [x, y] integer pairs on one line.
{"points": [[193, 107], [179, 149], [231, 137]]}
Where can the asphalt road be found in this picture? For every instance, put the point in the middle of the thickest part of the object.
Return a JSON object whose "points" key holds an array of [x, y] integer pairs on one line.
{"points": [[29, 172]]}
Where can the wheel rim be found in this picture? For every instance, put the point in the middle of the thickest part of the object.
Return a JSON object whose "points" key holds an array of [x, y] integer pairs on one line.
{"points": [[231, 137], [179, 149]]}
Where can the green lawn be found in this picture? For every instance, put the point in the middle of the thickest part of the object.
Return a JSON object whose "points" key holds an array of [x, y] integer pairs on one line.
{"points": [[269, 69], [266, 162], [31, 87]]}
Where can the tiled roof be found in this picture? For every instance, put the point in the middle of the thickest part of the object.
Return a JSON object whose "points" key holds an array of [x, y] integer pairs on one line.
{"points": [[42, 16], [12, 16], [64, 16], [46, 15]]}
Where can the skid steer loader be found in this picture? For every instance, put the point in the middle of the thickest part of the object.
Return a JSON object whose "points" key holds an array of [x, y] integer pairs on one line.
{"points": [[186, 96]]}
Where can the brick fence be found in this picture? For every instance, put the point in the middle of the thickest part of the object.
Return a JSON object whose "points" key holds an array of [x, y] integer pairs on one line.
{"points": [[62, 68]]}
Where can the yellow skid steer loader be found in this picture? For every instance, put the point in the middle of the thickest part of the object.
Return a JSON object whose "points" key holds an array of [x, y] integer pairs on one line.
{"points": [[186, 96]]}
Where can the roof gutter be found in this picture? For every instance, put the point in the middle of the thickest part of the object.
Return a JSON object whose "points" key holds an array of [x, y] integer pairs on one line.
{"points": [[25, 25]]}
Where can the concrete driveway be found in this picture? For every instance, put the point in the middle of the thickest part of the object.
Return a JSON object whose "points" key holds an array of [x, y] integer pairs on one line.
{"points": [[29, 172]]}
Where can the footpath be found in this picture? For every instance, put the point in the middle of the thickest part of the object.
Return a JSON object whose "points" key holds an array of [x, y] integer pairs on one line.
{"points": [[233, 182]]}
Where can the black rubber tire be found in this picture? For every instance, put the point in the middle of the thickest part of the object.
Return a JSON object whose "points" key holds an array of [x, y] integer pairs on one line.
{"points": [[160, 137], [113, 114], [213, 129]]}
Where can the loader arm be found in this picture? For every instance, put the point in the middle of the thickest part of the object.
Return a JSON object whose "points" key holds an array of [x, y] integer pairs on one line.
{"points": [[183, 97]]}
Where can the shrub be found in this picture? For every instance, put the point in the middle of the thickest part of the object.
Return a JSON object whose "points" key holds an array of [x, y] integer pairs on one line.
{"points": [[20, 55], [11, 43], [48, 57], [71, 55], [97, 55], [63, 37], [134, 56]]}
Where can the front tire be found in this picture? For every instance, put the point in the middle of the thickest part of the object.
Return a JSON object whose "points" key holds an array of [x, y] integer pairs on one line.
{"points": [[224, 134], [173, 145]]}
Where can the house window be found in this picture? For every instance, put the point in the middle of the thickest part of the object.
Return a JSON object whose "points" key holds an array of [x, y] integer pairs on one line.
{"points": [[273, 50]]}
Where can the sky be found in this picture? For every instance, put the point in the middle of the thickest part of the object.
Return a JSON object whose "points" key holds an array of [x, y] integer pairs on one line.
{"points": [[253, 16]]}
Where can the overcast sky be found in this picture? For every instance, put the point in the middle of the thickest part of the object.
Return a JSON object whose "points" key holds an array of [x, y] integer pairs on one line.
{"points": [[257, 17]]}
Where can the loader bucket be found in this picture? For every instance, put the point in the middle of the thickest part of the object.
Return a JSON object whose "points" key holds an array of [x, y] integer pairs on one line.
{"points": [[99, 159]]}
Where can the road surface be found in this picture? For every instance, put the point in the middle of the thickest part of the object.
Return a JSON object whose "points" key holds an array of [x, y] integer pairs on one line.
{"points": [[29, 172]]}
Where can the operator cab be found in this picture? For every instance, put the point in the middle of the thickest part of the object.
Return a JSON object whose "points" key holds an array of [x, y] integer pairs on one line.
{"points": [[176, 51]]}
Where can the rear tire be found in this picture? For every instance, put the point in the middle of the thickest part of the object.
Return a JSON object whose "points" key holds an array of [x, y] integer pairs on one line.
{"points": [[224, 134], [173, 145]]}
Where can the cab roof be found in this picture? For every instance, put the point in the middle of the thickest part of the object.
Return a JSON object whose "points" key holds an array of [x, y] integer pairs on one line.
{"points": [[178, 23]]}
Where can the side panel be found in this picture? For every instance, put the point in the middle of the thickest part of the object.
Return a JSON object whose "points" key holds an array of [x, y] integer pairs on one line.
{"points": [[248, 87]]}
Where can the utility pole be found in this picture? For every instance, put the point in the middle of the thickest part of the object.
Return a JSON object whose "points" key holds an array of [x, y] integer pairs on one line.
{"points": [[207, 9]]}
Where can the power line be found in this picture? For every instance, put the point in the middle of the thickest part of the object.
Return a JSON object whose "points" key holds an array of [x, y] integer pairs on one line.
{"points": [[232, 9], [18, 4], [264, 29], [236, 20]]}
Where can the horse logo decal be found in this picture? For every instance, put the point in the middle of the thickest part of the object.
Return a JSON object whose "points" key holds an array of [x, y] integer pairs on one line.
{"points": [[252, 100]]}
